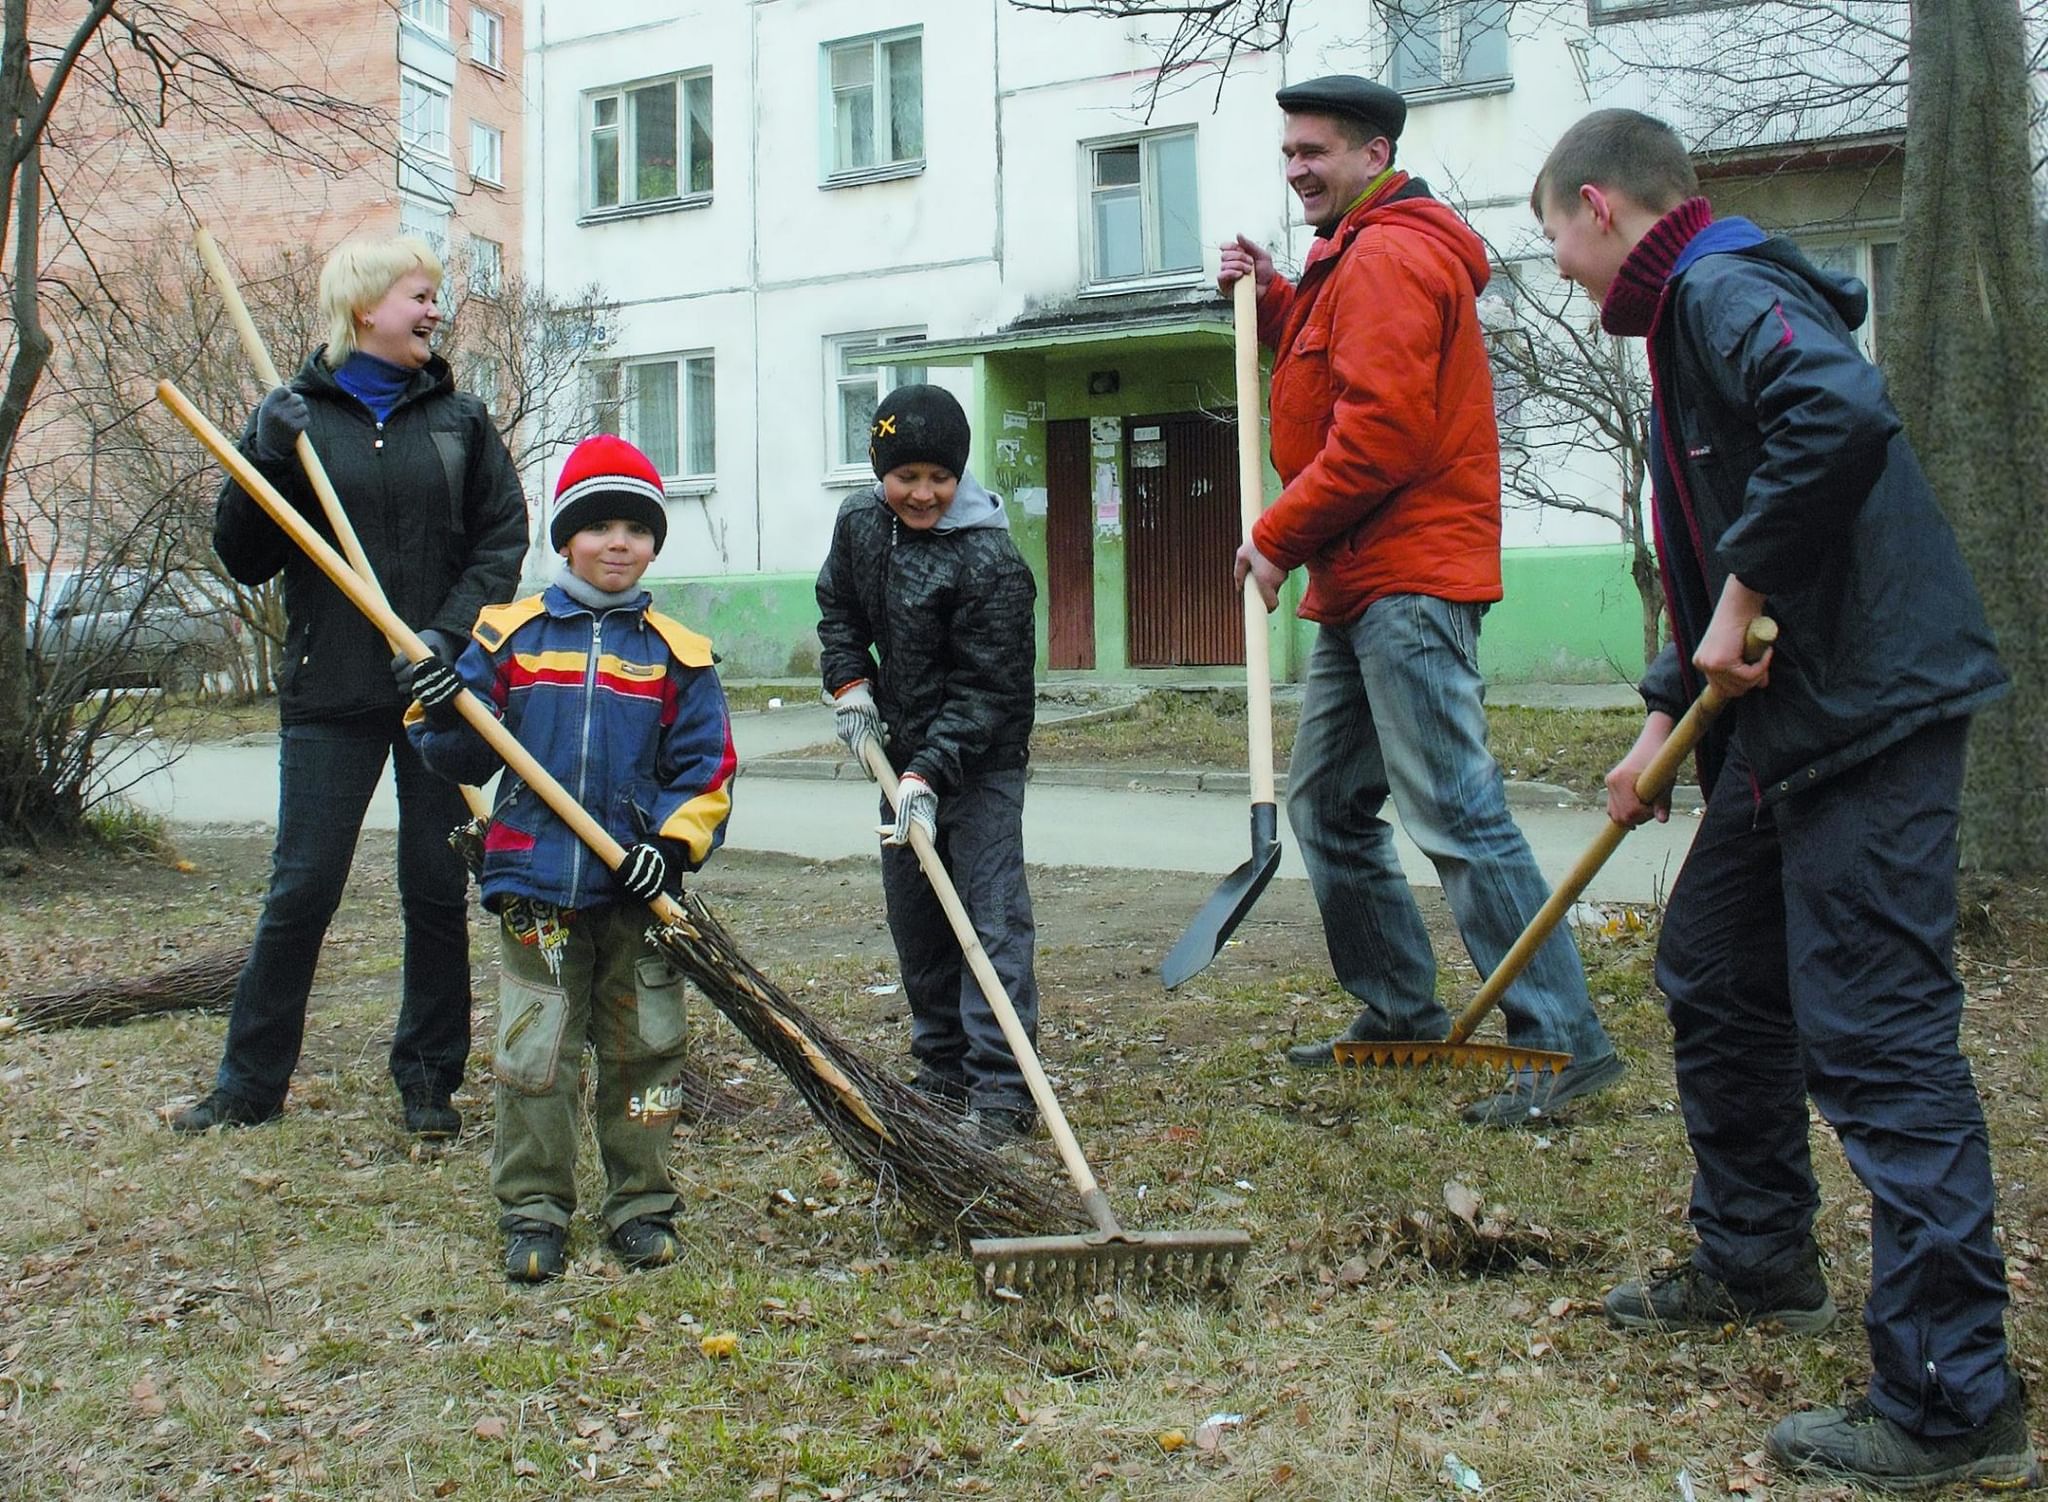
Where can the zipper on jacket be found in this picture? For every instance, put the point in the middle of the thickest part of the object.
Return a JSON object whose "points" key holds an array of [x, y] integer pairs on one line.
{"points": [[576, 848], [378, 442]]}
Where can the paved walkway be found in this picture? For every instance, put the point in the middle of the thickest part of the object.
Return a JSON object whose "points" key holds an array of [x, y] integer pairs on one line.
{"points": [[1178, 820]]}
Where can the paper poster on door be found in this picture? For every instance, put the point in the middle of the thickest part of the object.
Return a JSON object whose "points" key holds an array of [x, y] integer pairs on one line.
{"points": [[1108, 498]]}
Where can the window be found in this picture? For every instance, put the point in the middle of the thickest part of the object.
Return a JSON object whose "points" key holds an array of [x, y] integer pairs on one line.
{"points": [[650, 143], [486, 38], [1143, 209], [422, 115], [427, 221], [874, 103], [1447, 44], [483, 378], [856, 390], [667, 406], [428, 15], [1875, 263], [486, 267], [487, 153], [1509, 351]]}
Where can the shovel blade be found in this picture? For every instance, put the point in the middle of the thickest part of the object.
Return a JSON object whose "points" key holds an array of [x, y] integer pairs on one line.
{"points": [[1228, 904]]}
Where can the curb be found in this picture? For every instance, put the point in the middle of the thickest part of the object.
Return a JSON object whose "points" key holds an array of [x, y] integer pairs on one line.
{"points": [[1520, 794]]}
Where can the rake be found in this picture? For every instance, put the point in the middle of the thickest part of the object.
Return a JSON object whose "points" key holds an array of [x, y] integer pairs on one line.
{"points": [[1110, 1257], [1652, 783], [889, 1131]]}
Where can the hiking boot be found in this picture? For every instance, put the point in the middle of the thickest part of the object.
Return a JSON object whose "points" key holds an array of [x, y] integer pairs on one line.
{"points": [[1687, 1299], [432, 1117], [533, 1250], [646, 1241], [947, 1092], [997, 1127], [1861, 1444], [220, 1109], [1534, 1094], [1366, 1027]]}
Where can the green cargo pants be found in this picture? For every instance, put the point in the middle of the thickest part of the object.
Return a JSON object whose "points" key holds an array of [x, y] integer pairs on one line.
{"points": [[619, 997]]}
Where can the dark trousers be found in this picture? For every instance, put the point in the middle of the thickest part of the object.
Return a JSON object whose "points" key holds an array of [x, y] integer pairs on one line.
{"points": [[953, 1031], [326, 774], [1807, 949]]}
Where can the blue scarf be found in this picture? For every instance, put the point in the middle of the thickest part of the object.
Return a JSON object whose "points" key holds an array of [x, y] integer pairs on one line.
{"points": [[377, 384]]}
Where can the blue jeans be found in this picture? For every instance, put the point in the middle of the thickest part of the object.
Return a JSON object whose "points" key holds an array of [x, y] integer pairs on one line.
{"points": [[326, 774], [953, 1030], [1394, 706], [1807, 952]]}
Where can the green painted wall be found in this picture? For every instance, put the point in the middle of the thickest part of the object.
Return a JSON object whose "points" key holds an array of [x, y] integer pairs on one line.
{"points": [[1569, 615], [761, 625]]}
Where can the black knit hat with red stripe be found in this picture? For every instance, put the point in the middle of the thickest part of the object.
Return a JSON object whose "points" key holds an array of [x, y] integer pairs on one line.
{"points": [[606, 478]]}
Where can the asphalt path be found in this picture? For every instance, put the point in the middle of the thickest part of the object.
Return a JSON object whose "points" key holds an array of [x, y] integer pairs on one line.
{"points": [[1123, 827]]}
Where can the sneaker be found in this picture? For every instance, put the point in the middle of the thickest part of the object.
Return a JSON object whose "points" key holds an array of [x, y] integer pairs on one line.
{"points": [[646, 1241], [947, 1092], [1687, 1299], [1366, 1027], [1533, 1094], [220, 1109], [1861, 1444], [997, 1127], [533, 1250], [432, 1117]]}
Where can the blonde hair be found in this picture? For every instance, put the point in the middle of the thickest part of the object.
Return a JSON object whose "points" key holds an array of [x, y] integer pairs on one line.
{"points": [[357, 276]]}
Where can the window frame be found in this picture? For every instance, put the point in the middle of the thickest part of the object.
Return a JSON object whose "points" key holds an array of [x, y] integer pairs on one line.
{"points": [[495, 60], [686, 83], [1865, 244], [496, 136], [1452, 21], [839, 376], [831, 175], [420, 83], [1618, 12], [1149, 213], [437, 238], [481, 285], [683, 480], [409, 14]]}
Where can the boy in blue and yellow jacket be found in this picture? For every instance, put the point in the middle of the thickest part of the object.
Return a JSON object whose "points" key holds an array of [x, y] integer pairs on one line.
{"points": [[624, 707]]}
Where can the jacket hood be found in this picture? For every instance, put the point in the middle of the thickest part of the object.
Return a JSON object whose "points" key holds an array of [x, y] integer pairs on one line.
{"points": [[1737, 236], [973, 506], [1407, 203], [314, 375]]}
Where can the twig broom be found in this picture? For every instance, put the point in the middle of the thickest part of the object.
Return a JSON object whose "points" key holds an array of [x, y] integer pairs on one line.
{"points": [[888, 1130]]}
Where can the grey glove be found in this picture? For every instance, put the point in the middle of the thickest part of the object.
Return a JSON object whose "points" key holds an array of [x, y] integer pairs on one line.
{"points": [[857, 721], [642, 872], [917, 804], [435, 685], [279, 421]]}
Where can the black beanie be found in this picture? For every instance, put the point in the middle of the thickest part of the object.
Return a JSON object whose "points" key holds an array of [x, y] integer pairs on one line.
{"points": [[919, 425]]}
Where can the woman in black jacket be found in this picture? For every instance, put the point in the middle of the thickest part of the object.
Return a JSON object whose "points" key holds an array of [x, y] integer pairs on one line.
{"points": [[431, 492]]}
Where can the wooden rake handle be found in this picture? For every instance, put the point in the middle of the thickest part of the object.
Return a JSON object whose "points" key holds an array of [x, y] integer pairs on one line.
{"points": [[1251, 492], [1652, 783], [316, 472], [999, 1002]]}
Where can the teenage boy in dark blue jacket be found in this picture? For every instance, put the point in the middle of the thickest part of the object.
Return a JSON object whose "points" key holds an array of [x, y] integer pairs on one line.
{"points": [[624, 707], [1807, 944]]}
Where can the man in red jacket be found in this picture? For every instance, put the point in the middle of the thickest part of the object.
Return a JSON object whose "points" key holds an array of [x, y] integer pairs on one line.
{"points": [[1383, 430]]}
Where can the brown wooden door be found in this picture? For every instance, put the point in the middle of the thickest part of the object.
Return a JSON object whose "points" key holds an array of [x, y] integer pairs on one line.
{"points": [[1180, 532], [1069, 547]]}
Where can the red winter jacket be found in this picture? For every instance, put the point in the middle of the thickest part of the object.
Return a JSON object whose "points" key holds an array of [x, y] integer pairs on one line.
{"points": [[1382, 411]]}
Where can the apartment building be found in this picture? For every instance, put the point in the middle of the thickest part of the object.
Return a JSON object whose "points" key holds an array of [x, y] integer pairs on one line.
{"points": [[796, 204]]}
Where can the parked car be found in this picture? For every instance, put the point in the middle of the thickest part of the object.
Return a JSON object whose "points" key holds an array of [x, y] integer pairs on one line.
{"points": [[99, 628]]}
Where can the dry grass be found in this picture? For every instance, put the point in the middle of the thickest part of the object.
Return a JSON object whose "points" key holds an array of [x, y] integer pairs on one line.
{"points": [[313, 1309]]}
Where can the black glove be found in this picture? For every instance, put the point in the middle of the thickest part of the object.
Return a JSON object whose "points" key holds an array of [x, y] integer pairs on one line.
{"points": [[642, 872], [435, 685], [279, 421]]}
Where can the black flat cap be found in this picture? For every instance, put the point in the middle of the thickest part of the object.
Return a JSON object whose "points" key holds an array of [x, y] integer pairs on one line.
{"points": [[1372, 104]]}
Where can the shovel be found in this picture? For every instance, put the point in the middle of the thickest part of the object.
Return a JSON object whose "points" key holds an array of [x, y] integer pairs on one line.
{"points": [[1652, 783], [1009, 1266], [1231, 900]]}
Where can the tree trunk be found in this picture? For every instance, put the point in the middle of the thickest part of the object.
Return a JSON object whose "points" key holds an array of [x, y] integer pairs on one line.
{"points": [[1968, 360]]}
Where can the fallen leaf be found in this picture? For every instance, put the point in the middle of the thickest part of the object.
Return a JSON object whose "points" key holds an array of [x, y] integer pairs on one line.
{"points": [[489, 1427], [1170, 1439], [720, 1347], [1462, 1202]]}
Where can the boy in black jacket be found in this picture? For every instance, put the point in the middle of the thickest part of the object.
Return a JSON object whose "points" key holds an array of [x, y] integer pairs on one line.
{"points": [[1807, 944], [926, 624]]}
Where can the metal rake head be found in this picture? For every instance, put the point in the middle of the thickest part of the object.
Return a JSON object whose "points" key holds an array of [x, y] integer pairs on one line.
{"points": [[1496, 1056], [1018, 1267]]}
